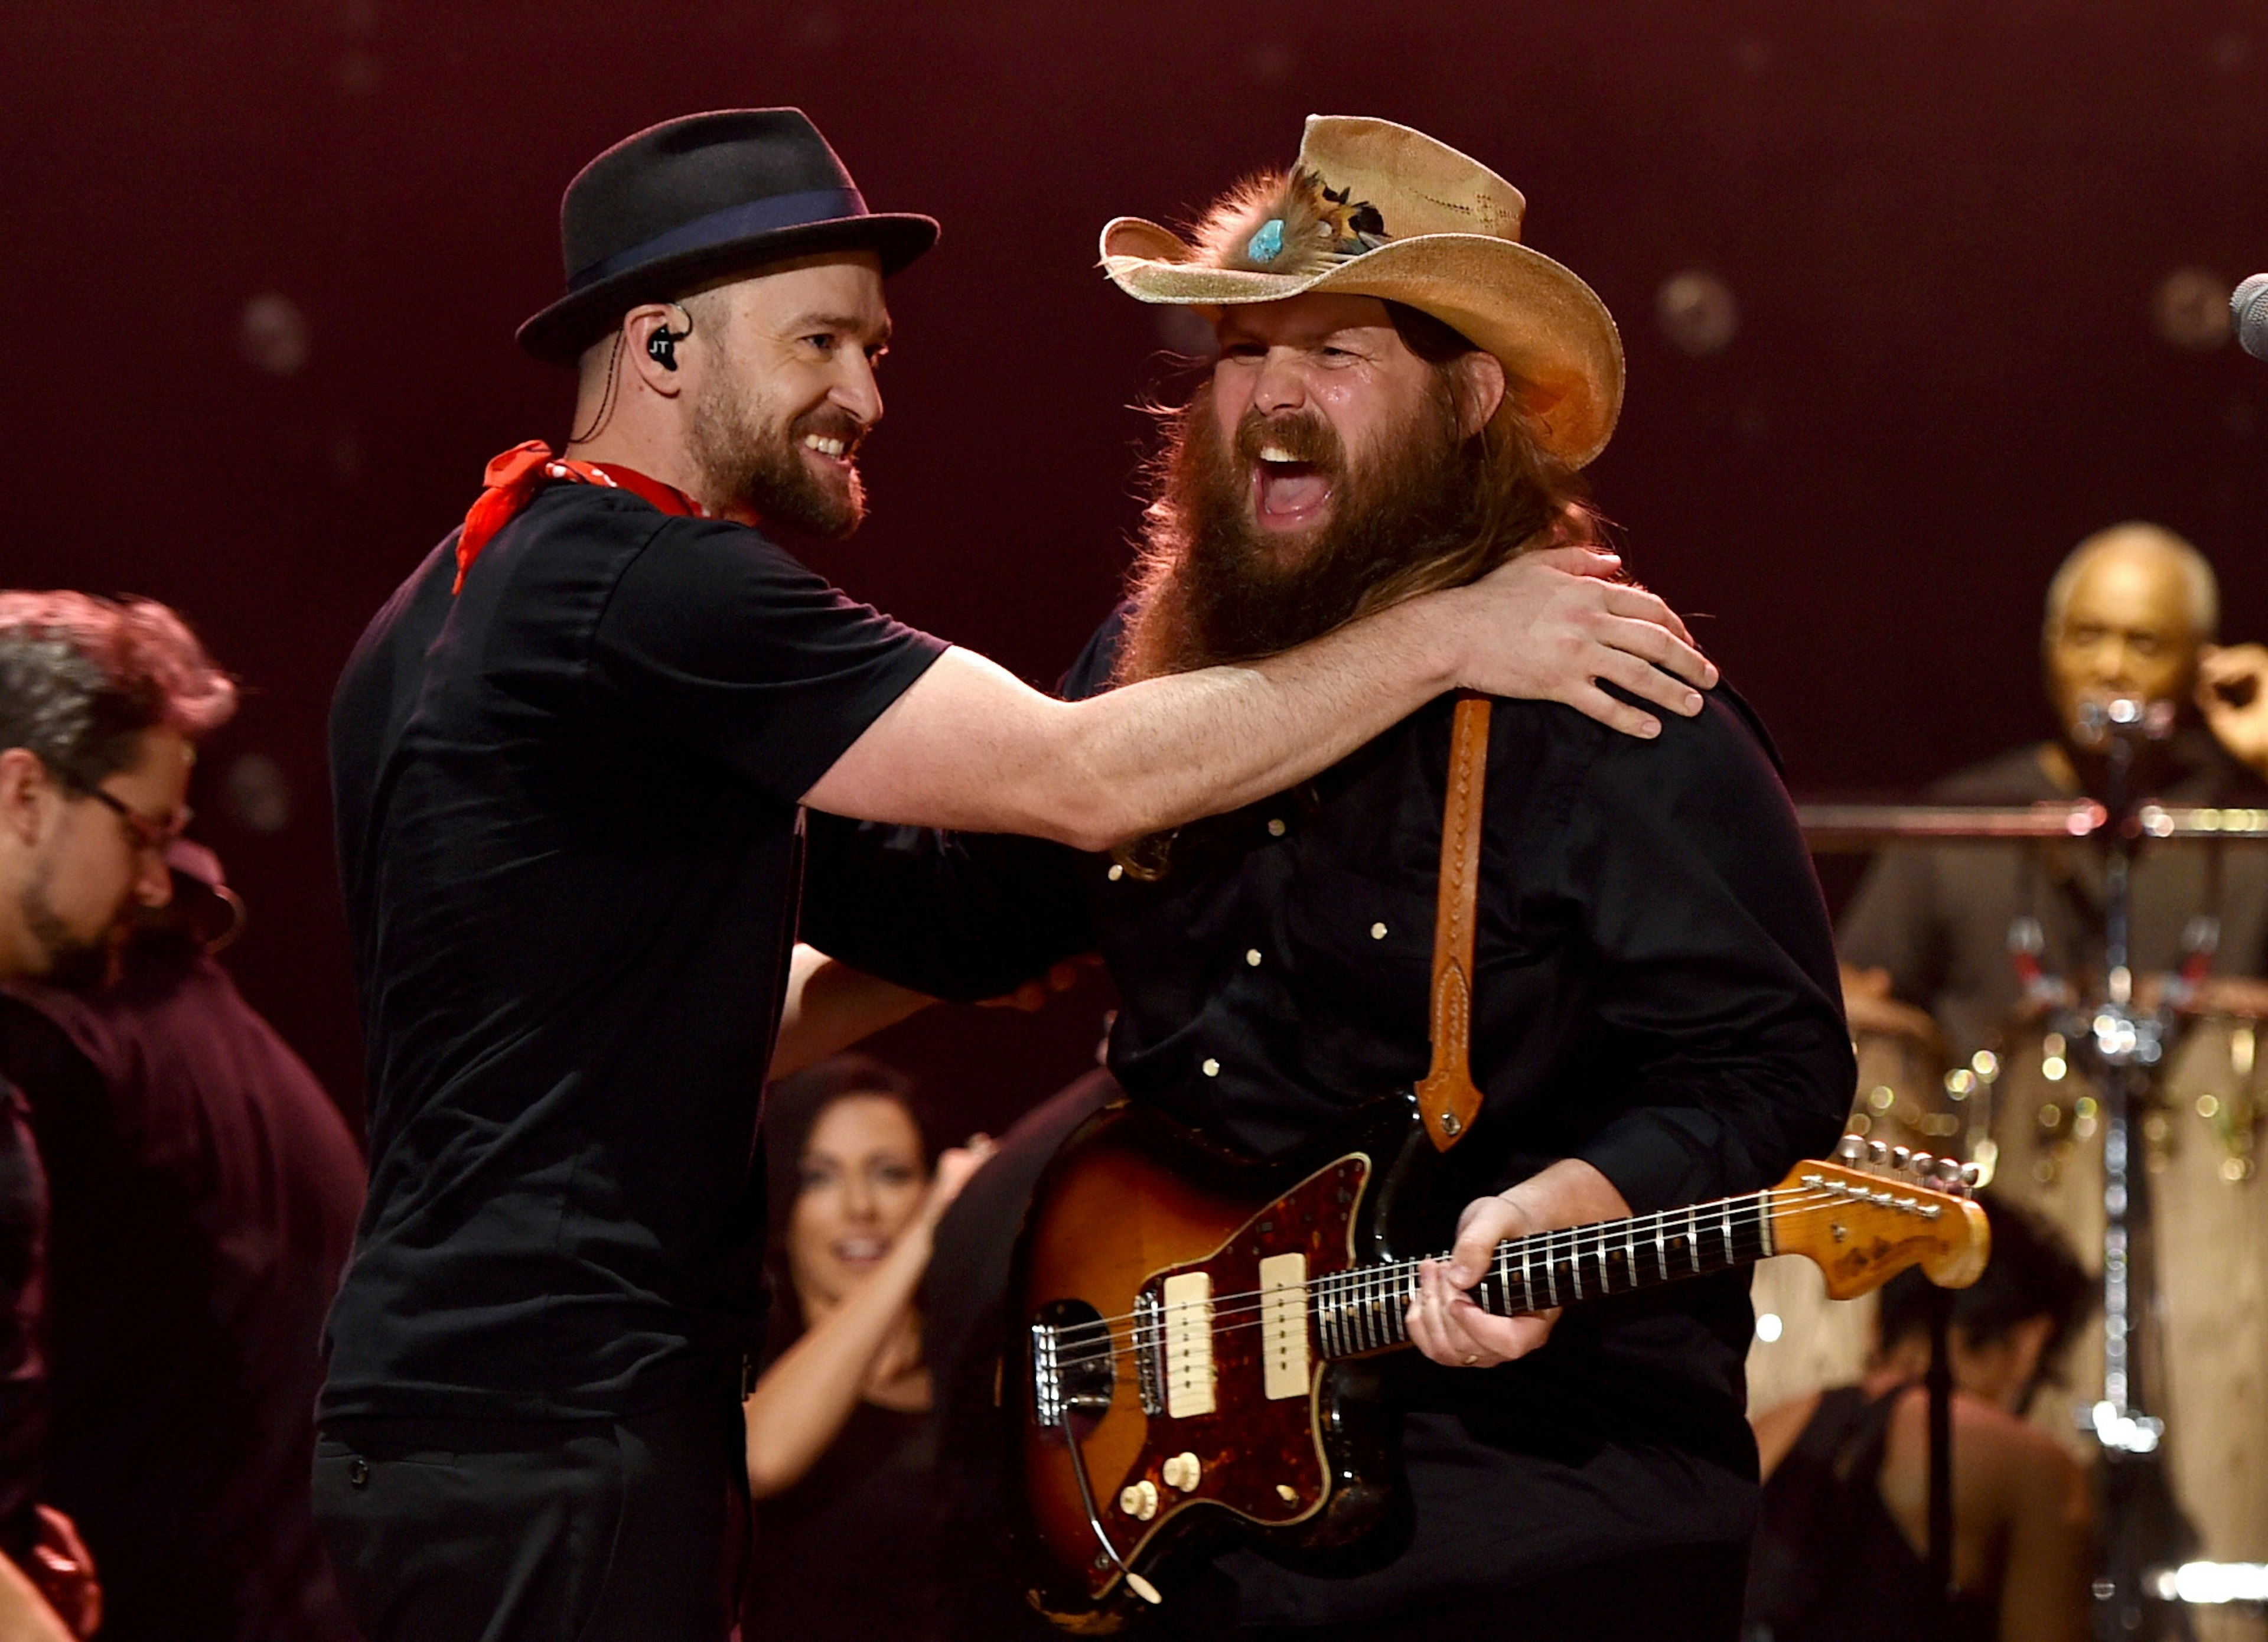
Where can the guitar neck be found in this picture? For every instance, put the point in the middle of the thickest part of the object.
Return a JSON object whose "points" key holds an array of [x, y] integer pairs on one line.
{"points": [[1366, 1309]]}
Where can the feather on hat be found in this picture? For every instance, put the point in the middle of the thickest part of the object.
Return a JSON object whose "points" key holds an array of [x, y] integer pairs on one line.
{"points": [[1374, 209]]}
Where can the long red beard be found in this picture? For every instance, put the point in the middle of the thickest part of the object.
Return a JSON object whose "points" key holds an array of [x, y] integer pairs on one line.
{"points": [[1210, 586]]}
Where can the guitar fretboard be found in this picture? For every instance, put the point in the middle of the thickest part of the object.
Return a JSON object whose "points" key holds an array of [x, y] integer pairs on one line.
{"points": [[1367, 1309]]}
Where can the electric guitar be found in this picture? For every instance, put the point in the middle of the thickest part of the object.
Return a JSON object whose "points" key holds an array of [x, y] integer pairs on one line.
{"points": [[1194, 1325], [1191, 1325]]}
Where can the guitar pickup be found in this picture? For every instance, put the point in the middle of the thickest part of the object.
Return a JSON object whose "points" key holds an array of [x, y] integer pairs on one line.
{"points": [[1187, 1330], [1284, 1326]]}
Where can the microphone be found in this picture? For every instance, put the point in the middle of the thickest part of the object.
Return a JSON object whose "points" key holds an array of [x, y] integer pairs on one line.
{"points": [[2248, 309]]}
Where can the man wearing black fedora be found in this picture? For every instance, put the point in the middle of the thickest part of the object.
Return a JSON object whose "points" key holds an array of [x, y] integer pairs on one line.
{"points": [[569, 759]]}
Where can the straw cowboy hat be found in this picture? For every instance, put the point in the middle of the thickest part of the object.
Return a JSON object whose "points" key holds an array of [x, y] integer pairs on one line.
{"points": [[1373, 209]]}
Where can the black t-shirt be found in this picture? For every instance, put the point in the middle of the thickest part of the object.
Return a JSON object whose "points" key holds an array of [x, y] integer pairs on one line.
{"points": [[567, 804]]}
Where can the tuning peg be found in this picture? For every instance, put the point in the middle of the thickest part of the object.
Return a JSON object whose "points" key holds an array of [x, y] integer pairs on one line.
{"points": [[1900, 1158], [1851, 1149], [1919, 1166], [1971, 1175], [1877, 1154], [1949, 1171]]}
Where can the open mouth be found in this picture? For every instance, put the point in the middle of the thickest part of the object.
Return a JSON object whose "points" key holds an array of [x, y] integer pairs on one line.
{"points": [[861, 1251], [835, 453], [1287, 493]]}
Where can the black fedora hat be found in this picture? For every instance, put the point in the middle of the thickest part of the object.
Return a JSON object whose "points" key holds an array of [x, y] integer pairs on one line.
{"points": [[692, 198]]}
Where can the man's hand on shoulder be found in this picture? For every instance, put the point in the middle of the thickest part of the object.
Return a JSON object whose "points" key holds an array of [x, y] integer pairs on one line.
{"points": [[1446, 1322], [1552, 626]]}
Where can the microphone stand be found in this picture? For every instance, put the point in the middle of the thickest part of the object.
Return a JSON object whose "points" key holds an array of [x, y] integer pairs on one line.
{"points": [[1943, 1590], [2143, 1529]]}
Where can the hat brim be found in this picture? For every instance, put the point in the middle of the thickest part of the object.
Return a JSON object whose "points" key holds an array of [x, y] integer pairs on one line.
{"points": [[1553, 334], [560, 333]]}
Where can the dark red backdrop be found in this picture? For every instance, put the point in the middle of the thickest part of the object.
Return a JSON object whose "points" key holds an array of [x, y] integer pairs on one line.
{"points": [[1944, 224]]}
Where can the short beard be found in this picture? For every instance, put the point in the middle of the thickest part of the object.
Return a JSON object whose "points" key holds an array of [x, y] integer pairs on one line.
{"points": [[748, 466], [69, 962], [1210, 586]]}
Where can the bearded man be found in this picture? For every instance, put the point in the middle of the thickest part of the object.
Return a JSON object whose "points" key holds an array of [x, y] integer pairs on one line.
{"points": [[569, 763], [1401, 398], [101, 702]]}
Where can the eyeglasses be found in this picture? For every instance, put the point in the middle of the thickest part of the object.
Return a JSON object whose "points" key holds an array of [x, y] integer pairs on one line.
{"points": [[148, 833]]}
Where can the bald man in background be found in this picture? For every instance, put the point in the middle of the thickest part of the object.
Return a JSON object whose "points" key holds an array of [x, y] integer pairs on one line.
{"points": [[2132, 611]]}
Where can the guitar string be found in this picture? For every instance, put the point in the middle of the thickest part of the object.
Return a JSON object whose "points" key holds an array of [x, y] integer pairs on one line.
{"points": [[1367, 1285], [1573, 1241], [1554, 1241], [1391, 1322]]}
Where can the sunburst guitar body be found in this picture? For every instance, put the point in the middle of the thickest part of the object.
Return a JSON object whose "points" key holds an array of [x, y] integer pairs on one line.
{"points": [[1191, 1328]]}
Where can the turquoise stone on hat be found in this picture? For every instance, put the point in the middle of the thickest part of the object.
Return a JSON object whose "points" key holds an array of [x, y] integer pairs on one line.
{"points": [[1268, 244]]}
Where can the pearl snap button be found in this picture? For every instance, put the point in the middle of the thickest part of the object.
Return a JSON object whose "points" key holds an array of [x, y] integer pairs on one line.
{"points": [[1275, 828], [1378, 931], [1212, 1068], [1117, 872], [1253, 957]]}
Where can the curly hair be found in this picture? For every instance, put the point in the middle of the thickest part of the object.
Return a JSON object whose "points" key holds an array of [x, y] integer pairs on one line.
{"points": [[82, 677]]}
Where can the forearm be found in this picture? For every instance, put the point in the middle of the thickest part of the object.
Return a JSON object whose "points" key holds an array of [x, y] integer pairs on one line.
{"points": [[802, 1401], [967, 746], [1155, 754], [25, 1616], [1570, 1192], [830, 1005], [970, 747]]}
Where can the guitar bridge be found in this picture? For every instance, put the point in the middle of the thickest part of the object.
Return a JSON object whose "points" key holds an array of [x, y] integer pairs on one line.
{"points": [[1149, 1353], [1074, 1362]]}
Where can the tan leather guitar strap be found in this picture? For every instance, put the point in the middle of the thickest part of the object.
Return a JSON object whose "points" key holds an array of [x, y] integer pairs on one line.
{"points": [[1446, 1098]]}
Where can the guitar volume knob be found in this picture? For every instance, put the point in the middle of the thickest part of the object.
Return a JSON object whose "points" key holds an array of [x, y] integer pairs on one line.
{"points": [[1139, 1500], [1182, 1471]]}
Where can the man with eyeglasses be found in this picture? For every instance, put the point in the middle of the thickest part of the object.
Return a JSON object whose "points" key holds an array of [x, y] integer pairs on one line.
{"points": [[100, 703]]}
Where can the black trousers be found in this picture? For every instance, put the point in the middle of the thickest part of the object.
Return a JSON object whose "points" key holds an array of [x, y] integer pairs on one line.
{"points": [[1689, 1593], [477, 1531]]}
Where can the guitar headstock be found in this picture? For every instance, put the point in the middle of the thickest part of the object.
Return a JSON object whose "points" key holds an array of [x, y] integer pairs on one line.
{"points": [[1875, 1210]]}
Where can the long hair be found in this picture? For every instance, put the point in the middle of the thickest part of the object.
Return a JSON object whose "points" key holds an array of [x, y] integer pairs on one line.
{"points": [[793, 1109]]}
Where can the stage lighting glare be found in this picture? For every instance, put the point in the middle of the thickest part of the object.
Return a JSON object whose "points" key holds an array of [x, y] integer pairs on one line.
{"points": [[258, 793], [2211, 1583], [2191, 309], [1697, 313], [273, 334]]}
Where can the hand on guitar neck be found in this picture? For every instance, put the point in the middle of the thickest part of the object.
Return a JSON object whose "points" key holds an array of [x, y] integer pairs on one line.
{"points": [[1445, 1322]]}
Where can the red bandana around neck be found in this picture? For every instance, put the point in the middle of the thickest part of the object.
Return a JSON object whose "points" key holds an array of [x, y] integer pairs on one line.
{"points": [[513, 478]]}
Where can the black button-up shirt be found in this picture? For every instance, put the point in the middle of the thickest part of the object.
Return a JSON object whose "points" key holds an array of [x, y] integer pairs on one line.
{"points": [[1655, 992]]}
